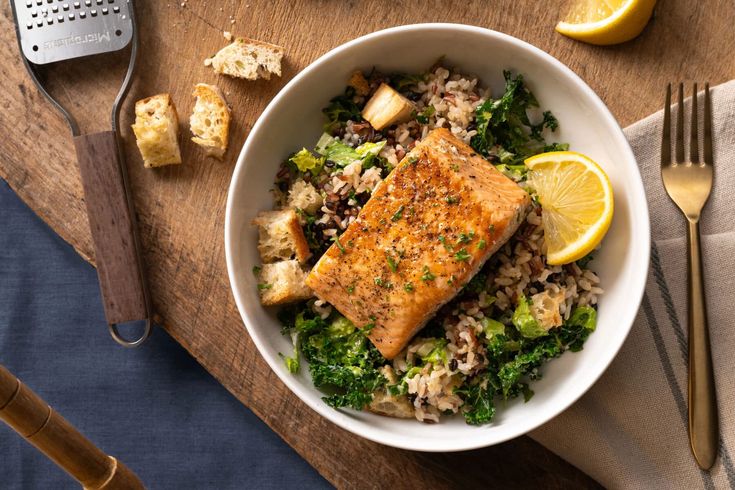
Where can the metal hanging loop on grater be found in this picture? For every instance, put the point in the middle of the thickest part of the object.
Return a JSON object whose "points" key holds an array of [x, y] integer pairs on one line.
{"points": [[50, 31]]}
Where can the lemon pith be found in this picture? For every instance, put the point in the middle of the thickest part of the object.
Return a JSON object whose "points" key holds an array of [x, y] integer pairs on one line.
{"points": [[577, 201]]}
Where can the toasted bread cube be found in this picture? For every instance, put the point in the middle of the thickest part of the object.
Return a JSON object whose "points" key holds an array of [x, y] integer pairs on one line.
{"points": [[546, 308], [248, 59], [156, 131], [281, 236], [387, 107], [303, 195], [210, 120], [282, 282], [359, 83]]}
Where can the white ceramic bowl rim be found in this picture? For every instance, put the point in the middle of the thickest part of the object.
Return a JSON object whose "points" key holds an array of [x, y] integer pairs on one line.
{"points": [[635, 288]]}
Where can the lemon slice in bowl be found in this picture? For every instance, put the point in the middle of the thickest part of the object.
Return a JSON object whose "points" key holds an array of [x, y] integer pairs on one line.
{"points": [[577, 202], [605, 22]]}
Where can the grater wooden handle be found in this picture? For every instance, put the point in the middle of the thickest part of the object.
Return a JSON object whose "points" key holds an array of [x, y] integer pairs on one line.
{"points": [[27, 414], [112, 223]]}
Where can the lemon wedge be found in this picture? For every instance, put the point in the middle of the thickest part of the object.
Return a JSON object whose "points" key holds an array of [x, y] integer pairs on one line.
{"points": [[605, 22], [577, 202]]}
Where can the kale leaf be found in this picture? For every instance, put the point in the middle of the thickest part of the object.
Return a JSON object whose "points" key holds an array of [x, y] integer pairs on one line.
{"points": [[340, 110], [504, 130], [342, 361]]}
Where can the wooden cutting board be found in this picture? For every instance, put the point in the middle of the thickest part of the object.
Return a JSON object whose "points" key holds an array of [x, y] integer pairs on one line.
{"points": [[181, 208]]}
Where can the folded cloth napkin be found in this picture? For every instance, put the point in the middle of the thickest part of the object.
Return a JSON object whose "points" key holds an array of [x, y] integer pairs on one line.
{"points": [[630, 429]]}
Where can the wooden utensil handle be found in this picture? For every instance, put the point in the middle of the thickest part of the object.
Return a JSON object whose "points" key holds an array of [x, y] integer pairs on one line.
{"points": [[27, 414], [112, 223]]}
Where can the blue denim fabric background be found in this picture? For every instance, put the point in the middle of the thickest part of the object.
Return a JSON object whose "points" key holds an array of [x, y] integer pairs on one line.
{"points": [[154, 407]]}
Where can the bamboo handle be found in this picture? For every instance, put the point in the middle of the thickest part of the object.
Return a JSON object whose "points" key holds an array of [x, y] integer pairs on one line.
{"points": [[27, 414]]}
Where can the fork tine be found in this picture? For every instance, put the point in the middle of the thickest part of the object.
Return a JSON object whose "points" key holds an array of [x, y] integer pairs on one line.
{"points": [[680, 126], [694, 135], [707, 126], [666, 137]]}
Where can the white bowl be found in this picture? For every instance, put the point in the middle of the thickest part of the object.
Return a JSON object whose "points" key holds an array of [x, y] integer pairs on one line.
{"points": [[294, 120]]}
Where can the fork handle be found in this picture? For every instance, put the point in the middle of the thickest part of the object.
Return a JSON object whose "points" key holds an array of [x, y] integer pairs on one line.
{"points": [[112, 223], [703, 423]]}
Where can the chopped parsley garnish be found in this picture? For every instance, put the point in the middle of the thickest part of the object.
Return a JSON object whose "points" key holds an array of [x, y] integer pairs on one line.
{"points": [[481, 244], [398, 214], [350, 289], [454, 167], [443, 241], [413, 160], [427, 275], [336, 241], [383, 284], [491, 228], [451, 280], [408, 287], [256, 270], [452, 199], [466, 237], [462, 255], [263, 286], [391, 262]]}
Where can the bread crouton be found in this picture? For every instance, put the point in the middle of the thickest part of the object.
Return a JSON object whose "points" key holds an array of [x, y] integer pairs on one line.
{"points": [[156, 131], [546, 308], [359, 83], [303, 195], [281, 236], [248, 59], [387, 107], [398, 406], [282, 282], [210, 120]]}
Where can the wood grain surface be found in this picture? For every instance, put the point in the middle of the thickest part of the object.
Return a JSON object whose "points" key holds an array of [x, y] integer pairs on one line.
{"points": [[181, 208]]}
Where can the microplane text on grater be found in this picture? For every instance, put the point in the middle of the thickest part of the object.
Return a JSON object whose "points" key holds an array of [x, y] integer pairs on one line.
{"points": [[56, 30]]}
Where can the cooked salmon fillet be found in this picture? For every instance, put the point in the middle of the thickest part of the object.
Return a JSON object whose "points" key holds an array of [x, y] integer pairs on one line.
{"points": [[427, 229]]}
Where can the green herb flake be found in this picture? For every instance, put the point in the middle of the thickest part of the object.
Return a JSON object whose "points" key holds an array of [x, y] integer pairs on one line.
{"points": [[466, 237], [341, 247], [383, 284], [408, 287], [481, 244], [350, 289], [427, 275], [454, 167], [444, 242], [263, 286], [256, 270], [462, 255], [452, 199], [413, 160], [391, 262], [398, 214], [491, 228]]}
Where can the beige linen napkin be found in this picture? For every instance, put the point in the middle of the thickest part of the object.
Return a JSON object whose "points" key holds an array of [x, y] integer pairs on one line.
{"points": [[630, 429]]}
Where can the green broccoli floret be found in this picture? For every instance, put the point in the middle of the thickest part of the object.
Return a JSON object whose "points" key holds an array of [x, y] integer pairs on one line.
{"points": [[524, 321]]}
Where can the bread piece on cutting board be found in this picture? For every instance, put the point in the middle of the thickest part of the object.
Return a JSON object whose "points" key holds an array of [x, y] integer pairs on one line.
{"points": [[156, 131], [281, 236], [210, 120], [248, 59], [282, 282]]}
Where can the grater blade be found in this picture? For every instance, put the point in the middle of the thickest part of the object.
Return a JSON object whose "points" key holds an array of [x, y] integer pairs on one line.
{"points": [[56, 30]]}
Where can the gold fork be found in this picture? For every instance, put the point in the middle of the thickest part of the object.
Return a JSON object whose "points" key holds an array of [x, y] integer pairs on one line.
{"points": [[688, 183]]}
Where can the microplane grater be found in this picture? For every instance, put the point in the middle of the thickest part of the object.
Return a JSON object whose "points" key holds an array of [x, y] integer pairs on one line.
{"points": [[50, 31], [57, 30]]}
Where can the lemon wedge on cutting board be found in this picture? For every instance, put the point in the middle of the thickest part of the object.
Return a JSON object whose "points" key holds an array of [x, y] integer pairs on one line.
{"points": [[605, 22], [577, 202]]}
